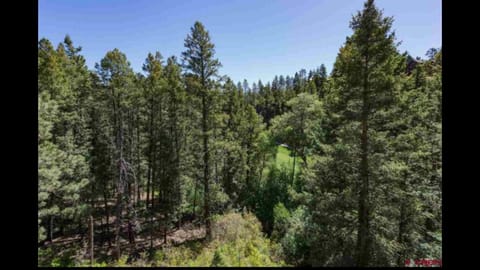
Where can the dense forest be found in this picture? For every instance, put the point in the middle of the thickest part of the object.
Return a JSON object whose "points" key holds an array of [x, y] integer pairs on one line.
{"points": [[181, 166]]}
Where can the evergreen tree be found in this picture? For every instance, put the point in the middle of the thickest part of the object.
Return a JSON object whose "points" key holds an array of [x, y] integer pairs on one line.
{"points": [[63, 169], [246, 88], [117, 76], [364, 83], [320, 79], [199, 60], [234, 159], [172, 185]]}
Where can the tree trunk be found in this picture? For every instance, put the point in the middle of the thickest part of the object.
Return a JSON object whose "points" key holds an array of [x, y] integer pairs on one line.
{"points": [[139, 167], [215, 156], [151, 229], [154, 178], [120, 188], [165, 228], [261, 169], [131, 233], [93, 198], [50, 229], [149, 177], [195, 196], [118, 226], [150, 157], [304, 157], [206, 157], [294, 160], [107, 213], [90, 239], [105, 203]]}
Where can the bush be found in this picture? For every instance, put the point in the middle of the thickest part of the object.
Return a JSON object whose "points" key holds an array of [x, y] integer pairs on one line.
{"points": [[49, 257], [295, 243], [217, 259], [272, 192], [281, 217], [237, 240]]}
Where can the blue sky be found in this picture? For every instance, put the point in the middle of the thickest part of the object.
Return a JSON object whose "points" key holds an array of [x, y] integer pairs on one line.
{"points": [[254, 39]]}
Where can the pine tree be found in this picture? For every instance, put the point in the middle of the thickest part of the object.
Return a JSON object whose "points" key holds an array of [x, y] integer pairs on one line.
{"points": [[416, 163], [245, 85], [153, 96], [363, 89], [63, 169], [234, 159], [320, 79], [199, 60], [250, 130], [172, 185], [370, 70], [117, 77]]}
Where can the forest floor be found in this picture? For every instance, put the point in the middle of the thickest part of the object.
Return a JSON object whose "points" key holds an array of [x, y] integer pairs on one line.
{"points": [[66, 245], [75, 244]]}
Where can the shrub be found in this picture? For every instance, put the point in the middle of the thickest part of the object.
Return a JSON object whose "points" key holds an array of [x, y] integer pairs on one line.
{"points": [[237, 240], [281, 217], [295, 243]]}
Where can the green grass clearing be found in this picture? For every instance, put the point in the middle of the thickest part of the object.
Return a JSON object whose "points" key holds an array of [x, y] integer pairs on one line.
{"points": [[282, 159]]}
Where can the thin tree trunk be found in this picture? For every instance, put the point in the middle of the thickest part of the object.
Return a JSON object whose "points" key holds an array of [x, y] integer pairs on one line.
{"points": [[120, 188], [294, 160], [154, 178], [304, 157], [151, 229], [150, 156], [130, 190], [118, 225], [261, 169], [149, 177], [139, 173], [130, 152], [165, 228], [50, 229], [195, 196], [91, 243], [215, 157], [92, 200], [107, 213], [131, 234], [206, 159]]}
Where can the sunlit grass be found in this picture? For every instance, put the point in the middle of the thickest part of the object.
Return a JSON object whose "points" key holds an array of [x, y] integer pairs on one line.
{"points": [[283, 159]]}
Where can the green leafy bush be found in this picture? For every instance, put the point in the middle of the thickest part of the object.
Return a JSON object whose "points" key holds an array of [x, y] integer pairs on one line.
{"points": [[281, 217], [237, 240], [295, 241]]}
